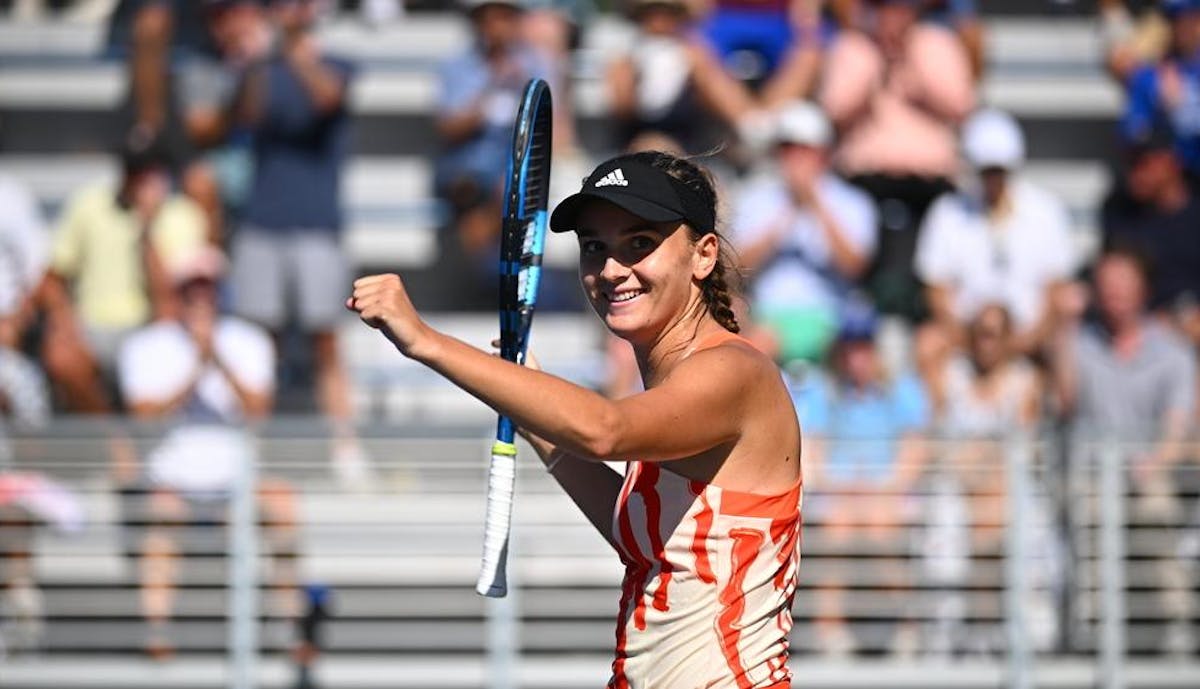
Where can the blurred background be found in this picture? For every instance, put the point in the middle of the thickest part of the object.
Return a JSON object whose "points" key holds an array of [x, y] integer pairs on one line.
{"points": [[969, 232]]}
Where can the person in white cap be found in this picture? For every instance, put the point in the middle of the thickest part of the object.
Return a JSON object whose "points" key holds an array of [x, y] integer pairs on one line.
{"points": [[804, 236], [1001, 240], [206, 376]]}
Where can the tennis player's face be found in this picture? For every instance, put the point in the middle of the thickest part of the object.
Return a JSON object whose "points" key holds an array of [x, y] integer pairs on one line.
{"points": [[636, 274]]}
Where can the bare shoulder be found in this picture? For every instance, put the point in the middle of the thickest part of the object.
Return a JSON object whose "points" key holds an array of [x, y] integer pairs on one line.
{"points": [[735, 360]]}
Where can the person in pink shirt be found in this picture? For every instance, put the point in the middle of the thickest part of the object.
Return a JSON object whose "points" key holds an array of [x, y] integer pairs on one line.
{"points": [[896, 92]]}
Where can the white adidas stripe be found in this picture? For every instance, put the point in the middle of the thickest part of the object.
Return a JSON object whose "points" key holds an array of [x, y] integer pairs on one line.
{"points": [[614, 178]]}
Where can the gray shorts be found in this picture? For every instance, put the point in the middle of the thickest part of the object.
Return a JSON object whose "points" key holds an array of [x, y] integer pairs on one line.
{"points": [[274, 272]]}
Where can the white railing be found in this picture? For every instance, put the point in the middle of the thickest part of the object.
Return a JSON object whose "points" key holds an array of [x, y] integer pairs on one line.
{"points": [[1069, 594]]}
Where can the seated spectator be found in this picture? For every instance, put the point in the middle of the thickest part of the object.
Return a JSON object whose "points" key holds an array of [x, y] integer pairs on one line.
{"points": [[26, 501], [863, 447], [1130, 377], [479, 94], [1169, 91], [204, 377], [1156, 215], [1133, 33], [24, 260], [287, 254], [981, 399], [960, 16], [896, 95], [667, 83], [804, 236], [1003, 240], [107, 277]]}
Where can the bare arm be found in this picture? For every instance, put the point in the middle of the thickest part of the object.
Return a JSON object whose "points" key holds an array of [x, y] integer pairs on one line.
{"points": [[677, 418], [148, 410], [158, 285], [594, 487], [847, 259], [621, 80], [256, 404], [721, 93], [325, 86]]}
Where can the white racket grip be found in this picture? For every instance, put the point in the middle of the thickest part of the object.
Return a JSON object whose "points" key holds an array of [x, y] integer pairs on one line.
{"points": [[502, 477]]}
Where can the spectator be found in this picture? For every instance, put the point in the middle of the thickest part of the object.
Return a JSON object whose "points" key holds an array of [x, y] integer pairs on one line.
{"points": [[1129, 376], [1133, 34], [863, 445], [1005, 241], [959, 16], [288, 249], [153, 34], [981, 399], [772, 45], [1169, 90], [205, 377], [805, 236], [24, 260], [666, 82], [107, 276], [26, 500], [1157, 216], [896, 95], [480, 91]]}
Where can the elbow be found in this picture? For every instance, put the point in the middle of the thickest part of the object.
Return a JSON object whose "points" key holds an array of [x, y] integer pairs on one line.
{"points": [[600, 439]]}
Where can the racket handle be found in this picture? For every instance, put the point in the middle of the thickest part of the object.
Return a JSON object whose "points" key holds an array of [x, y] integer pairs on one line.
{"points": [[502, 476]]}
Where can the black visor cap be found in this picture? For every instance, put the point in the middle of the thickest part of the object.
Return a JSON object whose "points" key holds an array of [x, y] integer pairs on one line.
{"points": [[639, 188]]}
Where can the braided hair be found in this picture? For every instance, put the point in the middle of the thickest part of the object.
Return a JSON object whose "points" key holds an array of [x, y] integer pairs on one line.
{"points": [[719, 287]]}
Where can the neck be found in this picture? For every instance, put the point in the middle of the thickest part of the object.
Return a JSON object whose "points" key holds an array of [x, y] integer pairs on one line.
{"points": [[658, 357]]}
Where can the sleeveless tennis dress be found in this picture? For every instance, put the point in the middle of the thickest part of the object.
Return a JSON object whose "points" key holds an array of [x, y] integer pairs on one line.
{"points": [[710, 574]]}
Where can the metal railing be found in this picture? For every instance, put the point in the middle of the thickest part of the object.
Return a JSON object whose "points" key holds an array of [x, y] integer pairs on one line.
{"points": [[1034, 561]]}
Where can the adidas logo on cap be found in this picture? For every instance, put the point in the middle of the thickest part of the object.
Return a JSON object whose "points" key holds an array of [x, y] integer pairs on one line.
{"points": [[614, 178]]}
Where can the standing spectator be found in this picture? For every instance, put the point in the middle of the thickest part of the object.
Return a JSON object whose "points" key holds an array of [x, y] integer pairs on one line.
{"points": [[107, 275], [863, 446], [24, 260], [1170, 89], [960, 16], [667, 83], [206, 377], [1134, 33], [155, 36], [480, 92], [1129, 375], [1157, 216], [296, 105], [805, 236], [1004, 241], [896, 95], [773, 45]]}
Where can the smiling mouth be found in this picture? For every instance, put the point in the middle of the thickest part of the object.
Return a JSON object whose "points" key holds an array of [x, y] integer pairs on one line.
{"points": [[623, 297]]}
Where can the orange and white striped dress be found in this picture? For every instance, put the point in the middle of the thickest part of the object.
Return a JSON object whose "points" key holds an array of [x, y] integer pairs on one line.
{"points": [[709, 579]]}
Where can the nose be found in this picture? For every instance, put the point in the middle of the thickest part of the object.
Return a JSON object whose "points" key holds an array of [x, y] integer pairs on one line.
{"points": [[613, 270]]}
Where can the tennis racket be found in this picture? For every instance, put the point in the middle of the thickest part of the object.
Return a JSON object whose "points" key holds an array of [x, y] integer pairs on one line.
{"points": [[523, 237]]}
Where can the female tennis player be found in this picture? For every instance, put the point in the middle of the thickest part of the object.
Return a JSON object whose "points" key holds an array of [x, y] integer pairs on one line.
{"points": [[707, 517]]}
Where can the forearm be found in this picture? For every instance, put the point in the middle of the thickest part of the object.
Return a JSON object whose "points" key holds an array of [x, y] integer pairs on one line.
{"points": [[158, 285], [324, 86], [594, 487], [255, 405], [460, 126], [846, 258], [149, 410], [571, 417]]}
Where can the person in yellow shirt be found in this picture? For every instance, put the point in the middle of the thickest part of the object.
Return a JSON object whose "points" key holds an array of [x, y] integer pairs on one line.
{"points": [[109, 260]]}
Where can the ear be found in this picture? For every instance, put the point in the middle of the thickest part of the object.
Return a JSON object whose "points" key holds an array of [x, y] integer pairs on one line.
{"points": [[704, 257]]}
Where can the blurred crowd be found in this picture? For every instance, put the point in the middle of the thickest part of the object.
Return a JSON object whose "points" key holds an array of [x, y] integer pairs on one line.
{"points": [[900, 265]]}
